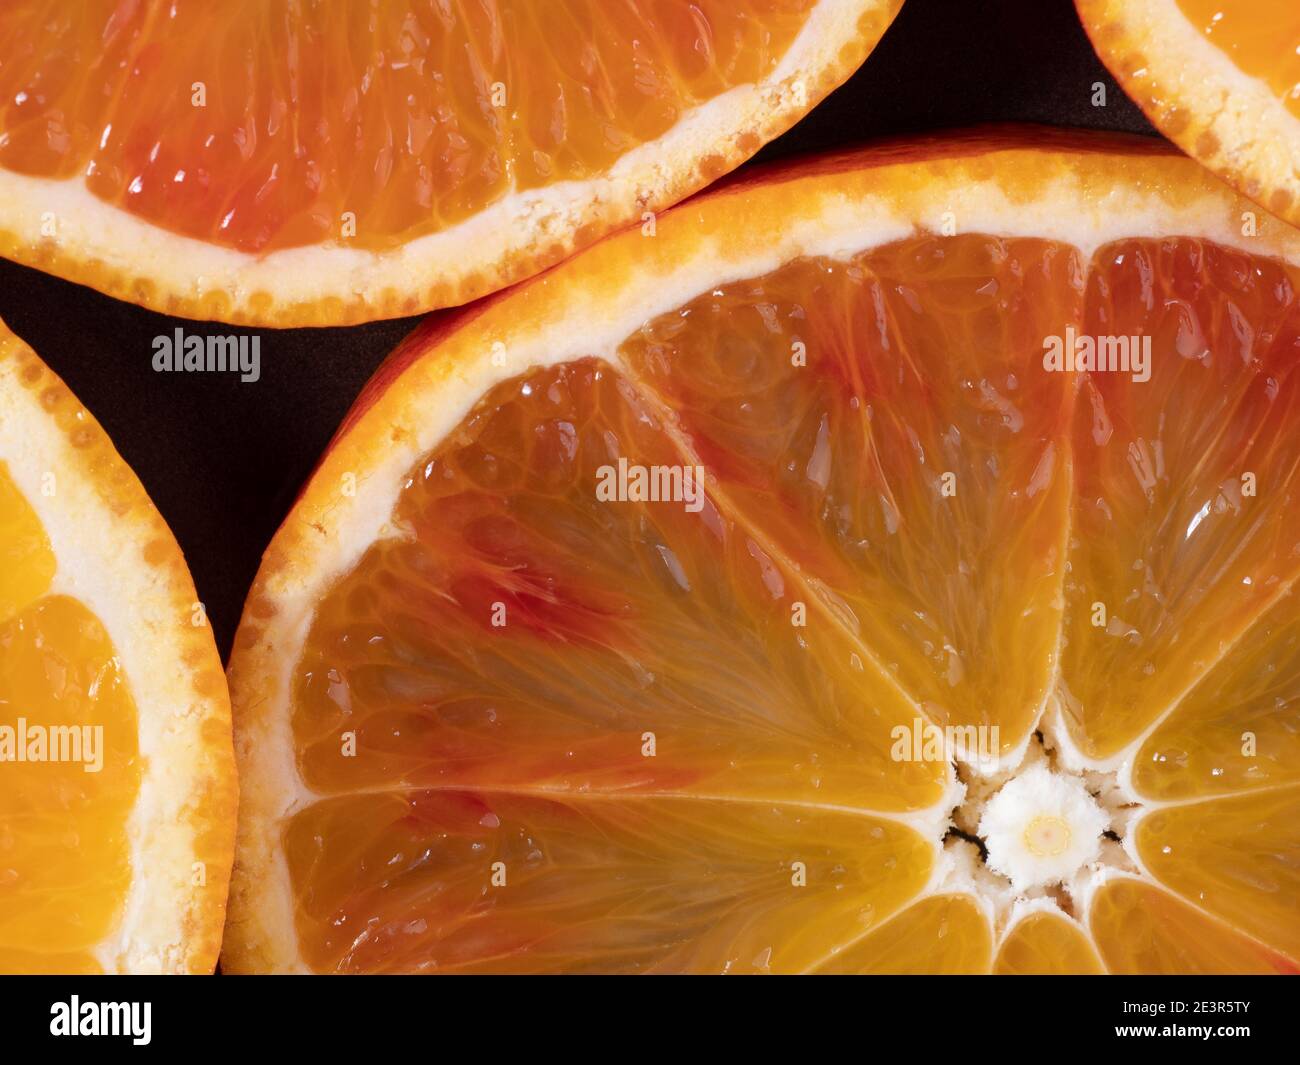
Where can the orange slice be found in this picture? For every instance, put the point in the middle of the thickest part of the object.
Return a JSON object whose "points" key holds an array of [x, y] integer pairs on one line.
{"points": [[287, 164], [609, 632], [117, 781], [1220, 79]]}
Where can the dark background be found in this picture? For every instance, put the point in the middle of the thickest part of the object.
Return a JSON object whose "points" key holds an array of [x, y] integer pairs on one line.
{"points": [[223, 460]]}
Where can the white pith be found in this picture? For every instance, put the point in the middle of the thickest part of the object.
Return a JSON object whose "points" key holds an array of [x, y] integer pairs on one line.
{"points": [[1041, 827], [594, 324], [99, 563], [1191, 75], [517, 224]]}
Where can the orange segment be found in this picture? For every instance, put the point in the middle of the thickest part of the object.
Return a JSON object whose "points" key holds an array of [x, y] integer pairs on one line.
{"points": [[456, 881], [884, 421], [523, 631], [62, 67], [1235, 858], [43, 963], [943, 935], [353, 130], [26, 561], [65, 862], [1240, 727], [1255, 35], [1186, 488], [401, 115], [117, 799], [1045, 944], [1141, 929]]}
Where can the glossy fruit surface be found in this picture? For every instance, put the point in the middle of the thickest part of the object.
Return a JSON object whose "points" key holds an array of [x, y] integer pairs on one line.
{"points": [[288, 163], [503, 706], [117, 780], [1221, 80]]}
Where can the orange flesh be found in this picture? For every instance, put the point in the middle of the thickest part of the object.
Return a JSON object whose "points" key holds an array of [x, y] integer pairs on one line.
{"points": [[1235, 858], [946, 935], [260, 125], [495, 881], [1238, 730], [613, 620], [1142, 929], [26, 562], [1166, 535], [1262, 37], [64, 852], [1044, 944], [826, 488], [915, 369]]}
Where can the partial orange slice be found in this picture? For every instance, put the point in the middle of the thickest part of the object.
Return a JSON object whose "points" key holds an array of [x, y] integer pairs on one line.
{"points": [[610, 631], [287, 164], [1220, 78], [117, 783]]}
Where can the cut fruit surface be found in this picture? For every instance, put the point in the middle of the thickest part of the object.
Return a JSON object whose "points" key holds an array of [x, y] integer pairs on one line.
{"points": [[911, 379], [945, 934], [609, 632], [1047, 944], [509, 559], [453, 881], [1235, 858], [1221, 80], [1142, 929], [1240, 728], [117, 786], [1179, 550], [289, 164]]}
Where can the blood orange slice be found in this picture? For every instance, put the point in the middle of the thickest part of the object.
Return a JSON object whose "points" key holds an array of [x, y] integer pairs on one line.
{"points": [[291, 164], [668, 612], [1222, 80], [117, 779]]}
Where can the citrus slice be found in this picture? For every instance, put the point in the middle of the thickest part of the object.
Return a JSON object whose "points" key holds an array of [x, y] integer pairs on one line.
{"points": [[1221, 80], [287, 164], [761, 596], [117, 779]]}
